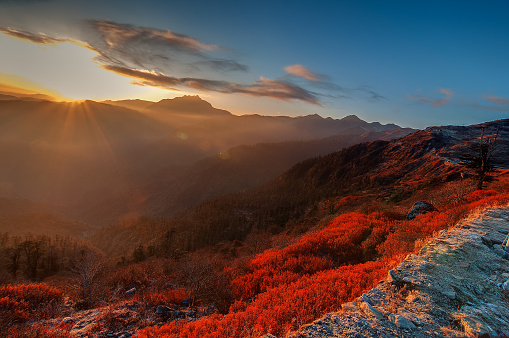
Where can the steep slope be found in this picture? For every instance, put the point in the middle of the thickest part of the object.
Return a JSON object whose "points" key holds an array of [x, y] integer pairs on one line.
{"points": [[452, 288], [98, 159], [20, 217], [378, 172], [243, 168]]}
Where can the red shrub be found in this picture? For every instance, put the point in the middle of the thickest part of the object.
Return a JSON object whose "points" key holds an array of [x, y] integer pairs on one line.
{"points": [[40, 331], [170, 296], [22, 302], [280, 309]]}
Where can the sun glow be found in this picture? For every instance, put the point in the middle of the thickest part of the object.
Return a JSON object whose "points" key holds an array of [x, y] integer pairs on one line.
{"points": [[65, 71]]}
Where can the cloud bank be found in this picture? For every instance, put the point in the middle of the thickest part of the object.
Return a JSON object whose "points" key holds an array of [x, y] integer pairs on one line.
{"points": [[165, 59], [264, 87]]}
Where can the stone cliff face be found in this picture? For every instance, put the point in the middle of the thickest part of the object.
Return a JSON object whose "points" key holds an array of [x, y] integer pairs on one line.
{"points": [[453, 287]]}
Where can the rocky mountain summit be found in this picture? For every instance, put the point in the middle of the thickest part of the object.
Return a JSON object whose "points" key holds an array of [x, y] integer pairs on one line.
{"points": [[456, 286], [457, 139]]}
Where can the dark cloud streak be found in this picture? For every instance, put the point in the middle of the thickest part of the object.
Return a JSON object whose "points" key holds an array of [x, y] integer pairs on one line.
{"points": [[155, 50], [280, 90], [33, 37]]}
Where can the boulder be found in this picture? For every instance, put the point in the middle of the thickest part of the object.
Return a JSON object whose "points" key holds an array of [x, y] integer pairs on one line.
{"points": [[163, 310], [420, 207]]}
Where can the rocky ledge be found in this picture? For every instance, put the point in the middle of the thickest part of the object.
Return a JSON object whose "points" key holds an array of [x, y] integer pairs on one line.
{"points": [[456, 286]]}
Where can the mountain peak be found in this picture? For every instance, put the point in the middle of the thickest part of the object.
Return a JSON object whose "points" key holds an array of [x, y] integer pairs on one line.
{"points": [[351, 118], [182, 103], [187, 104]]}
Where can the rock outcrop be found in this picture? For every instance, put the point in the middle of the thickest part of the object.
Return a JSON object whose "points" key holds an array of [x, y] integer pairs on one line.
{"points": [[453, 287], [420, 207]]}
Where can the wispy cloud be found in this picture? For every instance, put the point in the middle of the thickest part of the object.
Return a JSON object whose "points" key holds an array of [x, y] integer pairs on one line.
{"points": [[264, 87], [303, 72], [448, 95], [492, 103], [497, 99], [33, 37], [435, 102], [328, 88], [155, 49]]}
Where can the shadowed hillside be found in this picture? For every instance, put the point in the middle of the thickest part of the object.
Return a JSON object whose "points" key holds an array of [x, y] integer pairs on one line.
{"points": [[378, 171], [99, 160]]}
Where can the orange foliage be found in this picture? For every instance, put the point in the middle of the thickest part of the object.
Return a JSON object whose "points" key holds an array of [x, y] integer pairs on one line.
{"points": [[282, 289], [22, 302], [280, 309], [169, 296], [40, 331], [36, 295]]}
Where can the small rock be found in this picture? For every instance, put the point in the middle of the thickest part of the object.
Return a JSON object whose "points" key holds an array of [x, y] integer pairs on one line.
{"points": [[420, 207], [409, 315], [366, 299], [350, 307], [475, 328], [371, 311], [68, 320], [392, 277], [500, 252], [401, 322], [412, 298], [412, 280]]}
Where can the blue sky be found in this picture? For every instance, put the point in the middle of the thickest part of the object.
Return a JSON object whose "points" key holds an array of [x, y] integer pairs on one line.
{"points": [[414, 63]]}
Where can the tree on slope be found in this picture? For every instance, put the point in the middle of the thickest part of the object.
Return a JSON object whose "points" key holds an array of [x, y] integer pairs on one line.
{"points": [[480, 160]]}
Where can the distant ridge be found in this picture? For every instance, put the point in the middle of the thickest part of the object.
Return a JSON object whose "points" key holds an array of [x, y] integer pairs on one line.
{"points": [[189, 104], [105, 154]]}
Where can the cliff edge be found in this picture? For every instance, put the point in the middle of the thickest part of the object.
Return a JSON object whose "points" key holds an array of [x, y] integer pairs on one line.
{"points": [[453, 287]]}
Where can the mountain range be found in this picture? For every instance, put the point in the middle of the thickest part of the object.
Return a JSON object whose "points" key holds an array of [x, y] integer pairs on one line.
{"points": [[105, 161]]}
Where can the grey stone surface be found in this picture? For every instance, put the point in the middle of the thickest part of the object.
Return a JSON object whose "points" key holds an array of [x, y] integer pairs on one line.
{"points": [[455, 287]]}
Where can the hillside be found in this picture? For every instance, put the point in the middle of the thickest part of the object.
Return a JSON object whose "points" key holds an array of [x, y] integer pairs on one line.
{"points": [[20, 217], [378, 173], [272, 259], [453, 287], [99, 160], [243, 168]]}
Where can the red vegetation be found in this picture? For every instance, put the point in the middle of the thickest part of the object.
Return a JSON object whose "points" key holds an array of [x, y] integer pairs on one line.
{"points": [[282, 308], [169, 296], [281, 289], [40, 331], [23, 302]]}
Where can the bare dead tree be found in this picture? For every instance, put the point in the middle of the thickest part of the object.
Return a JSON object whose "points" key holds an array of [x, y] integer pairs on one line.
{"points": [[86, 268], [480, 159]]}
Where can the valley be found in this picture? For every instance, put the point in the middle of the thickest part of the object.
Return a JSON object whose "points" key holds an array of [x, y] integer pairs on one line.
{"points": [[184, 237]]}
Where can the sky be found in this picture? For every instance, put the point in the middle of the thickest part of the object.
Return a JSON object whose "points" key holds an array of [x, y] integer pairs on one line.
{"points": [[413, 63]]}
